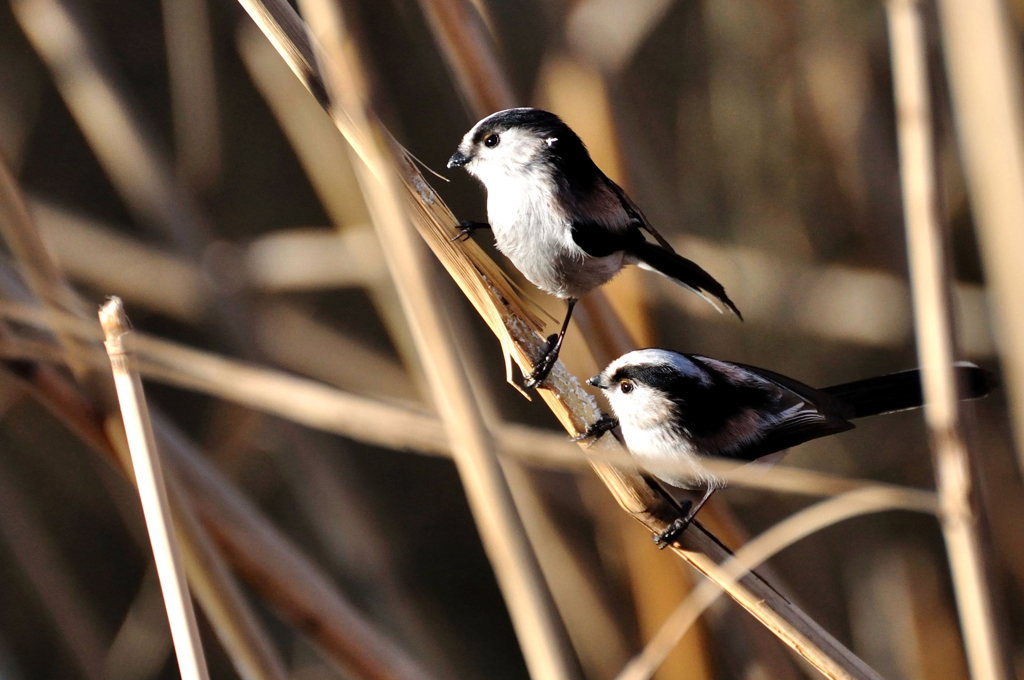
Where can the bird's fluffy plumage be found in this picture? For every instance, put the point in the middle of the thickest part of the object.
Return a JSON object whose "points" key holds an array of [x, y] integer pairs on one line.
{"points": [[682, 407], [563, 223]]}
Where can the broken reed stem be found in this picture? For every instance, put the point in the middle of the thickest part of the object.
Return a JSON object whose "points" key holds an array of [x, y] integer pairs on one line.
{"points": [[153, 494], [933, 320], [64, 315]]}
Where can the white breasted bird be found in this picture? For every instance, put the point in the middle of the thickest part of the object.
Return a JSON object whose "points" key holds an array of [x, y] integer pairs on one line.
{"points": [[680, 408], [559, 219]]}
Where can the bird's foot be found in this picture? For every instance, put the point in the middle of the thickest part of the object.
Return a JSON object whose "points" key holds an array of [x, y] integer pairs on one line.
{"points": [[597, 429], [544, 366], [674, 530], [466, 229]]}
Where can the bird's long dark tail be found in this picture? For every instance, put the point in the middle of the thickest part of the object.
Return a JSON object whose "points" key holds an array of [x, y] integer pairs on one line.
{"points": [[901, 391], [678, 268]]}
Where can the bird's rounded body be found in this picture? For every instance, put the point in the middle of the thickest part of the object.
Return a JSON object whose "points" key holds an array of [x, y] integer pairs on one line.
{"points": [[527, 220], [655, 430], [560, 220], [676, 409]]}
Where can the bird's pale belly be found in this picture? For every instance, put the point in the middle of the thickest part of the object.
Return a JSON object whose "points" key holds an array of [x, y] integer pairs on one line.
{"points": [[564, 271]]}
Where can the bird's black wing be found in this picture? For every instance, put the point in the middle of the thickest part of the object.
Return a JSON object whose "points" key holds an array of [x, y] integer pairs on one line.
{"points": [[779, 413], [636, 215], [597, 240]]}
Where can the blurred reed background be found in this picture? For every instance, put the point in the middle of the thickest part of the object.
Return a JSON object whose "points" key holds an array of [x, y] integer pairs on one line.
{"points": [[164, 153]]}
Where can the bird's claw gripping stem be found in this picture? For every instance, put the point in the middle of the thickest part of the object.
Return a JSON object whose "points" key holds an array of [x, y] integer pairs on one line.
{"points": [[547, 362], [466, 229], [597, 429], [674, 530]]}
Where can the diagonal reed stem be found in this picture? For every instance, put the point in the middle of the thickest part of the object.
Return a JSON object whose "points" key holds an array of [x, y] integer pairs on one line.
{"points": [[500, 306], [516, 568], [756, 552]]}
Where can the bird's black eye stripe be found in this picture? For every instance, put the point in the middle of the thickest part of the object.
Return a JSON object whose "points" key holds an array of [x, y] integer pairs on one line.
{"points": [[664, 378], [491, 140]]}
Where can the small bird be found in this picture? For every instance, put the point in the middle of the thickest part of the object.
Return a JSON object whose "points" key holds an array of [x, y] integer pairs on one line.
{"points": [[680, 408], [562, 222]]}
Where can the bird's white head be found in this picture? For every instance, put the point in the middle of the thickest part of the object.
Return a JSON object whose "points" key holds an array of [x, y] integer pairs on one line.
{"points": [[640, 385], [515, 143]]}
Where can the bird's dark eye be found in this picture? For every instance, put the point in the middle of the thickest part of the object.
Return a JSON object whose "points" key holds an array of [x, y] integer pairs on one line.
{"points": [[626, 386], [491, 140]]}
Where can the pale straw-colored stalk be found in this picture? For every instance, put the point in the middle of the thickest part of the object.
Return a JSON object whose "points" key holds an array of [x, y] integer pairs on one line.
{"points": [[274, 567], [149, 480], [63, 314], [980, 46], [933, 320]]}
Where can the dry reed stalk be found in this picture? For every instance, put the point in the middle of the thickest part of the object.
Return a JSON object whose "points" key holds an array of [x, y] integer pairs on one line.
{"points": [[324, 156], [153, 494], [754, 553], [229, 614], [534, 618], [273, 566], [387, 425], [497, 302], [312, 600], [236, 625], [979, 41], [933, 320]]}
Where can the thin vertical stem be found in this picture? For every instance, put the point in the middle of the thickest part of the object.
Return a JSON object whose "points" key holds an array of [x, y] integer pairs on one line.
{"points": [[982, 62], [153, 494], [935, 342]]}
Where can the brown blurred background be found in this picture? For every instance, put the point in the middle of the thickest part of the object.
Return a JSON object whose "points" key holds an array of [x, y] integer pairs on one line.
{"points": [[168, 158]]}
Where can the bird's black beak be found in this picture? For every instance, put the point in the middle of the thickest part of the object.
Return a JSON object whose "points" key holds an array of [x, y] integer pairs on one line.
{"points": [[596, 381], [457, 160]]}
